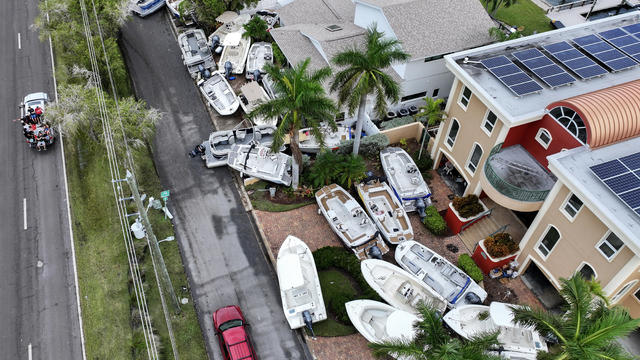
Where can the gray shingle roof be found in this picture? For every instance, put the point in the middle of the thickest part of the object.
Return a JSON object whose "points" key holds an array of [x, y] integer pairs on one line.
{"points": [[317, 12], [435, 27]]}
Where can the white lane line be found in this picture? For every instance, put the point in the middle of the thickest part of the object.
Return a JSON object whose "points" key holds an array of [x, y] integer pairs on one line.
{"points": [[29, 352], [19, 42], [24, 207]]}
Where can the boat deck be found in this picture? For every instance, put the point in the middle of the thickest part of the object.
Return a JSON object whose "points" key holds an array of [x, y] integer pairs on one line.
{"points": [[404, 175], [260, 54], [391, 217], [260, 162], [236, 55], [193, 44], [219, 92]]}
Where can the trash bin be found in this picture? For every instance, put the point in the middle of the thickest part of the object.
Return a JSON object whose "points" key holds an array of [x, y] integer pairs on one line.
{"points": [[137, 229]]}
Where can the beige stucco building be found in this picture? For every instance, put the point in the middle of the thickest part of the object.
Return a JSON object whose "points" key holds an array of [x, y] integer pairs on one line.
{"points": [[549, 126]]}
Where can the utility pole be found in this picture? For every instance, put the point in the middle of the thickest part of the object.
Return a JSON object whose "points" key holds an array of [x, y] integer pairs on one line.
{"points": [[156, 255]]}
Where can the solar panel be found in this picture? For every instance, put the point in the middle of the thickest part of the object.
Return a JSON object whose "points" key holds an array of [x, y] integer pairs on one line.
{"points": [[552, 74], [607, 54], [622, 177], [510, 75], [624, 40], [574, 60]]}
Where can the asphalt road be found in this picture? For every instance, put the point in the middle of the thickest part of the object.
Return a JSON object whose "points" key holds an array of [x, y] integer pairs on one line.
{"points": [[221, 252], [37, 303]]}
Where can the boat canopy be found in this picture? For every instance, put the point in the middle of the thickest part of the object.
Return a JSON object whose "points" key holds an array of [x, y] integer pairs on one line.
{"points": [[501, 314], [291, 275]]}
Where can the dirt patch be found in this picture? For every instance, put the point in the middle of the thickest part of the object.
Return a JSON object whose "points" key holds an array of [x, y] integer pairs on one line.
{"points": [[499, 291]]}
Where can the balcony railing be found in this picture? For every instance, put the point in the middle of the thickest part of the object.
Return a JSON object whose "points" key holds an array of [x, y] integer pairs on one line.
{"points": [[507, 189]]}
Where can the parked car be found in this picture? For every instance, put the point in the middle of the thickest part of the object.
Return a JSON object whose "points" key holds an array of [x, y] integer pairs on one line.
{"points": [[231, 328], [32, 101]]}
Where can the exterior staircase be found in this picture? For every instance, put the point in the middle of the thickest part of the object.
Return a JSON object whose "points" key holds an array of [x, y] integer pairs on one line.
{"points": [[478, 231]]}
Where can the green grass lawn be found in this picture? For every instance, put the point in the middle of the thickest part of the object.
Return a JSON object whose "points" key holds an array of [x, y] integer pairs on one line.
{"points": [[334, 282], [525, 13], [259, 196]]}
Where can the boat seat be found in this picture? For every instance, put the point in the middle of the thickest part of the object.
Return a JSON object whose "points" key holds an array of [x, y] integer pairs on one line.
{"points": [[364, 221], [412, 267], [433, 284], [415, 180]]}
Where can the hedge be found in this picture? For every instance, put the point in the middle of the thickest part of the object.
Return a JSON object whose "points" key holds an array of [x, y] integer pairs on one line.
{"points": [[370, 146], [393, 123], [434, 221], [466, 263]]}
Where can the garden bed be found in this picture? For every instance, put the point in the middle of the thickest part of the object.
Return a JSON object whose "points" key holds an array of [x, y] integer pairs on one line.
{"points": [[284, 200]]}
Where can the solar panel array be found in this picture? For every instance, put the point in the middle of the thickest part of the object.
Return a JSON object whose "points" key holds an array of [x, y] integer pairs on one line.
{"points": [[613, 58], [511, 75], [622, 177], [574, 60], [624, 40], [539, 64]]}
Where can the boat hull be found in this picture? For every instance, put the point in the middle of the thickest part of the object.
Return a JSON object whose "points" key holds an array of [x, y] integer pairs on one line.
{"points": [[386, 211], [146, 9], [405, 178], [212, 88], [378, 322], [261, 163]]}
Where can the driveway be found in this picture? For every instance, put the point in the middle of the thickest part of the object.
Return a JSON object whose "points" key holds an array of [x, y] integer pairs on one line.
{"points": [[222, 254]]}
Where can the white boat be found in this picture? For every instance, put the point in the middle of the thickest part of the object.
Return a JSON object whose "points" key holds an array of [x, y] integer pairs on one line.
{"points": [[439, 274], [269, 87], [387, 212], [258, 161], [378, 322], [219, 94], [219, 144], [260, 54], [299, 284], [250, 96], [349, 221], [399, 288], [232, 26], [173, 5], [519, 343], [235, 51], [405, 178], [143, 8], [270, 17], [196, 54], [332, 139]]}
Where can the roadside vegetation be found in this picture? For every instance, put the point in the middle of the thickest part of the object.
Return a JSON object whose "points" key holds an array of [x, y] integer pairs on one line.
{"points": [[522, 14], [111, 320]]}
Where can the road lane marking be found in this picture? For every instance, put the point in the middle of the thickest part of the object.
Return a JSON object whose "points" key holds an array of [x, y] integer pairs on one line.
{"points": [[24, 207], [19, 42], [29, 352]]}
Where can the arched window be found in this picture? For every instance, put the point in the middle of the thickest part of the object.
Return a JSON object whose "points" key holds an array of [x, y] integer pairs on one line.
{"points": [[548, 241], [571, 121], [474, 158], [587, 272], [453, 133], [623, 292], [543, 137]]}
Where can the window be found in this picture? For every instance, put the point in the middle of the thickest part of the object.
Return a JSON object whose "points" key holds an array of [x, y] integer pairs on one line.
{"points": [[623, 292], [435, 93], [489, 122], [637, 295], [571, 207], [548, 241], [453, 133], [414, 96], [431, 58], [587, 272], [474, 159], [610, 246], [465, 97], [571, 121], [543, 137]]}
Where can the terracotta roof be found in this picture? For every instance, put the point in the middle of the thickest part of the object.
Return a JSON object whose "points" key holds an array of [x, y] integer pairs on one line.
{"points": [[610, 115]]}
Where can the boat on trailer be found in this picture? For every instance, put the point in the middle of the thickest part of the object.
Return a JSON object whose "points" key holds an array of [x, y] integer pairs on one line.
{"points": [[349, 221], [378, 322], [300, 291], [405, 178], [399, 288], [219, 144], [143, 8], [439, 274], [387, 212], [234, 53], [250, 96], [260, 54], [260, 162], [219, 94], [196, 54], [517, 342], [332, 139]]}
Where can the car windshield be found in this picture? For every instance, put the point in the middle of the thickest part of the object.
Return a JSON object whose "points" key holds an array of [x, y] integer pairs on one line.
{"points": [[230, 324], [34, 103]]}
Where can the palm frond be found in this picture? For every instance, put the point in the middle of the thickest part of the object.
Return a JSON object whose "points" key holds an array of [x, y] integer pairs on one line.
{"points": [[397, 348], [613, 324], [543, 322]]}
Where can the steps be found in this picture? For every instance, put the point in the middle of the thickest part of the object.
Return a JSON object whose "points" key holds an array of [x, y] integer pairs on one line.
{"points": [[478, 231]]}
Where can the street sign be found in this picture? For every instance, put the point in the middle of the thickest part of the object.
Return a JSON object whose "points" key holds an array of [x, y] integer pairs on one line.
{"points": [[164, 195]]}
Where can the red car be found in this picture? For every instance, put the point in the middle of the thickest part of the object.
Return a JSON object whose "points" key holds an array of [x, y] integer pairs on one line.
{"points": [[230, 326]]}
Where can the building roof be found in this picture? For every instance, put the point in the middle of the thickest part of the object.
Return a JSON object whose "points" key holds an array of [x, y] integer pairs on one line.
{"points": [[317, 12], [514, 110], [572, 167], [435, 27]]}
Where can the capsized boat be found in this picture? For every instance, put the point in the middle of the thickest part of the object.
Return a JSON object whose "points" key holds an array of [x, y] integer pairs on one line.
{"points": [[378, 322], [332, 139], [349, 221], [299, 284], [439, 274], [405, 178], [219, 94], [260, 54], [145, 7], [251, 95], [521, 343], [173, 6], [196, 54], [387, 212], [258, 161], [399, 288], [219, 144], [234, 53]]}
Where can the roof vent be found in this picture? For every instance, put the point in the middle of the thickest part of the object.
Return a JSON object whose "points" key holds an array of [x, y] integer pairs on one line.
{"points": [[333, 28]]}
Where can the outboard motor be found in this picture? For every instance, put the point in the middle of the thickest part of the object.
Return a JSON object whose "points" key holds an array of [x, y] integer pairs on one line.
{"points": [[375, 252], [205, 73], [420, 207], [257, 75], [227, 69], [472, 298], [215, 42], [306, 317]]}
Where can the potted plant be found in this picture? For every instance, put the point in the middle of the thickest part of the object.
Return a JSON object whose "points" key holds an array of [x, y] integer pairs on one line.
{"points": [[463, 210], [495, 251]]}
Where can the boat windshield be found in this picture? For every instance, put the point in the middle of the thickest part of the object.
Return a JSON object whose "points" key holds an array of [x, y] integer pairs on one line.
{"points": [[230, 324]]}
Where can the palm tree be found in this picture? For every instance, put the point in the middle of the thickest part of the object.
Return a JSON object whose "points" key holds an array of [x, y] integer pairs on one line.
{"points": [[500, 35], [493, 5], [587, 330], [363, 75], [301, 102], [433, 342], [431, 112]]}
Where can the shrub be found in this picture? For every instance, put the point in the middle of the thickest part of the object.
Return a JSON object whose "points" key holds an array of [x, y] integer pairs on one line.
{"points": [[394, 123], [256, 29], [335, 257], [466, 263], [425, 163], [467, 206], [370, 146], [434, 221], [343, 169], [501, 245], [336, 306], [350, 169], [323, 171], [278, 56]]}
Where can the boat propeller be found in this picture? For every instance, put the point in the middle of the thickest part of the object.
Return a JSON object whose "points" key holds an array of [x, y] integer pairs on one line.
{"points": [[306, 317]]}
